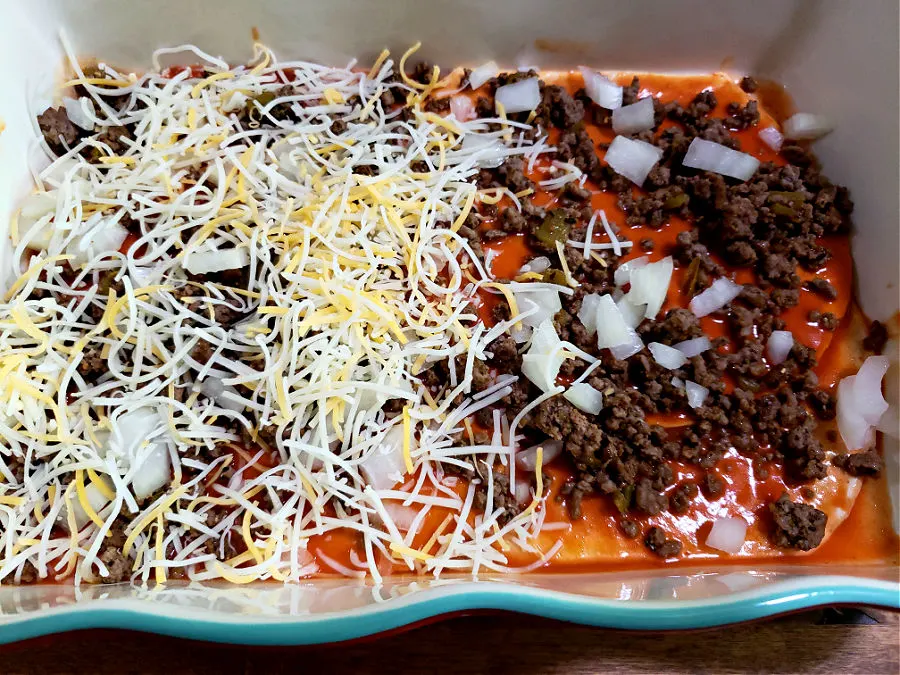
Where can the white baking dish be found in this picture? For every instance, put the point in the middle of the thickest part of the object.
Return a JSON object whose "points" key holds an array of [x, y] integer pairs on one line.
{"points": [[836, 58]]}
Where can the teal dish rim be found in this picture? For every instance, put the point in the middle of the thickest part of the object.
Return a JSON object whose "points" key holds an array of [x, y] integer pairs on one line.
{"points": [[779, 598]]}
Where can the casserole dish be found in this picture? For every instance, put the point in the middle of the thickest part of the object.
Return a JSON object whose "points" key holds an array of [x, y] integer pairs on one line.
{"points": [[820, 51]]}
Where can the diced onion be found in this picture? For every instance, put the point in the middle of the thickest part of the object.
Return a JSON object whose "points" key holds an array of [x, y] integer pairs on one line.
{"points": [[482, 74], [584, 397], [35, 217], [540, 264], [634, 118], [95, 498], [779, 346], [612, 331], [205, 262], [667, 357], [545, 356], [491, 152], [153, 472], [385, 467], [521, 96], [76, 113], [611, 327], [527, 459], [805, 126], [715, 157], [727, 534], [720, 293], [631, 313], [545, 299], [867, 388], [622, 274], [461, 108], [630, 348], [696, 394], [105, 238], [650, 285], [588, 312], [856, 433], [601, 90], [771, 137], [402, 516], [632, 159], [522, 492], [694, 346]]}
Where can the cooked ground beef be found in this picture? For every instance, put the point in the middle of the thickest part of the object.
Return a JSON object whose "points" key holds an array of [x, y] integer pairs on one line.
{"points": [[656, 541], [877, 338], [58, 130], [797, 525], [866, 463]]}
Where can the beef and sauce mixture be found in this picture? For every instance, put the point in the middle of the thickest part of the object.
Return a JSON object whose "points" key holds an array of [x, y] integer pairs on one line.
{"points": [[281, 319]]}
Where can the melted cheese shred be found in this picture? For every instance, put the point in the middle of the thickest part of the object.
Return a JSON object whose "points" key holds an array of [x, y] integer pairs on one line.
{"points": [[340, 217]]}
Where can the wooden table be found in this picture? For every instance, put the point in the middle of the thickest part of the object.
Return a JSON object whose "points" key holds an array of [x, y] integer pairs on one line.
{"points": [[826, 641]]}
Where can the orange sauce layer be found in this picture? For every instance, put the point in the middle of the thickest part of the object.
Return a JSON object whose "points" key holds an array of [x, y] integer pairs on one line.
{"points": [[595, 541]]}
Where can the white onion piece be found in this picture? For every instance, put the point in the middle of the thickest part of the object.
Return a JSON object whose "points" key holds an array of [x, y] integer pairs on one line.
{"points": [[650, 284], [204, 262], [720, 293], [76, 113], [805, 126], [634, 118], [527, 459], [105, 238], [491, 152], [584, 397], [890, 422], [587, 314], [611, 327], [632, 159], [385, 467], [544, 340], [622, 275], [771, 137], [38, 209], [630, 348], [94, 497], [867, 388], [521, 96], [601, 90], [715, 157], [539, 265], [545, 299], [666, 356], [542, 362], [461, 108], [696, 395], [521, 335], [780, 344], [153, 472], [402, 516], [632, 314], [678, 382], [856, 433], [483, 73], [522, 492], [727, 534], [694, 346], [542, 370]]}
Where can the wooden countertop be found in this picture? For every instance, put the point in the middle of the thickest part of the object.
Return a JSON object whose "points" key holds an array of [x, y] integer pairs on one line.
{"points": [[823, 641]]}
